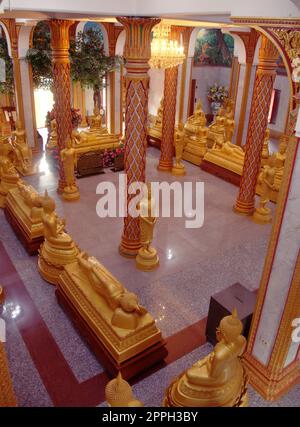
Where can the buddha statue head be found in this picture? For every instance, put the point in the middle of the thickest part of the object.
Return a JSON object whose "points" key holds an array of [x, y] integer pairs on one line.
{"points": [[48, 203], [96, 110], [118, 393], [129, 302], [230, 328]]}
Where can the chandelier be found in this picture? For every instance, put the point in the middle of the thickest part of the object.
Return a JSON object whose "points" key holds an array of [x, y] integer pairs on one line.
{"points": [[165, 53]]}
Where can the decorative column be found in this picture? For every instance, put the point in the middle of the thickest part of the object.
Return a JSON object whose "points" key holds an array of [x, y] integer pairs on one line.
{"points": [[168, 122], [273, 352], [137, 53], [113, 32], [13, 34], [186, 35], [258, 122], [62, 86], [249, 40]]}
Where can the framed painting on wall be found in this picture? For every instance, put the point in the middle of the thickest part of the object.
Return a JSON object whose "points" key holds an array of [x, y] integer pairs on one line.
{"points": [[213, 48]]}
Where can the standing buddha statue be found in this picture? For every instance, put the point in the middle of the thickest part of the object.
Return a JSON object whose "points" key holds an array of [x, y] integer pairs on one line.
{"points": [[69, 159]]}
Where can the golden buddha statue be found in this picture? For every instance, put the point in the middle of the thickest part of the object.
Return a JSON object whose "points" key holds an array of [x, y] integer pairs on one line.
{"points": [[195, 121], [147, 258], [265, 152], [219, 379], [178, 168], [8, 174], [229, 123], [52, 142], [58, 248], [218, 126], [112, 313], [226, 155], [266, 179], [155, 129], [69, 160], [196, 144], [95, 138], [7, 394], [118, 393], [279, 161], [125, 305], [22, 152]]}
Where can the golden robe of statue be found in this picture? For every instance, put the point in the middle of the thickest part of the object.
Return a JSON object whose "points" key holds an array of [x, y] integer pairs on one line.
{"points": [[217, 380], [58, 248], [178, 168], [52, 142], [266, 179], [22, 152], [196, 120], [265, 152], [147, 258]]}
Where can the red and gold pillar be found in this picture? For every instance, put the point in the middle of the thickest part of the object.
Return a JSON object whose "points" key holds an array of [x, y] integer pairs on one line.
{"points": [[137, 52], [62, 85], [258, 122], [168, 122]]}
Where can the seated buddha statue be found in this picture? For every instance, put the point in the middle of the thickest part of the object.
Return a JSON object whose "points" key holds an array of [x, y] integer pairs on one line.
{"points": [[198, 119], [23, 153], [196, 144], [96, 122], [8, 174], [125, 305], [218, 379], [58, 248], [217, 126], [52, 142]]}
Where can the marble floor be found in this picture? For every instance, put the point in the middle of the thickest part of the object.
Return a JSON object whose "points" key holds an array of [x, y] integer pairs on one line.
{"points": [[51, 365]]}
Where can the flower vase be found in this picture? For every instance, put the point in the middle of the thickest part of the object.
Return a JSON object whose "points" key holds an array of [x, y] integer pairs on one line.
{"points": [[215, 106]]}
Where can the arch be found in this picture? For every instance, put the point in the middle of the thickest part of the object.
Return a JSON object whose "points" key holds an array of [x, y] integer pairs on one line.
{"points": [[7, 37], [82, 24], [239, 48], [192, 42], [120, 43]]}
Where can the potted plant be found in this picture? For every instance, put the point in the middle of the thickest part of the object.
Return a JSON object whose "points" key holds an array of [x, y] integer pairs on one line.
{"points": [[216, 95]]}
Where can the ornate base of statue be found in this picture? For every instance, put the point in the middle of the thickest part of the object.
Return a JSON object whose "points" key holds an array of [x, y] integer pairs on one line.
{"points": [[178, 170], [262, 215], [71, 193], [124, 338], [147, 260], [194, 151], [221, 172], [225, 160], [53, 259], [25, 220]]}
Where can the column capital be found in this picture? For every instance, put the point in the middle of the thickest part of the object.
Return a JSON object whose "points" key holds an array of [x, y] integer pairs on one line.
{"points": [[60, 33], [113, 32], [138, 37], [268, 54]]}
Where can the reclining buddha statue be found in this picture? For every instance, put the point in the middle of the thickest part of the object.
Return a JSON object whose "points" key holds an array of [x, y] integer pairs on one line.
{"points": [[226, 155], [58, 248], [155, 129], [95, 138], [113, 314], [218, 379]]}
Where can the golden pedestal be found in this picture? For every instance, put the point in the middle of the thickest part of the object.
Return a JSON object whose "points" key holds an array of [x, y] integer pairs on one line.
{"points": [[26, 220], [97, 314], [224, 160], [147, 260], [53, 258], [8, 182], [262, 215], [178, 170], [195, 150], [71, 194]]}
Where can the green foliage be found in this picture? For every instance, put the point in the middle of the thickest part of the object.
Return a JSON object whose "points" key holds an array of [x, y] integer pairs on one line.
{"points": [[6, 87], [88, 61], [40, 57], [89, 64]]}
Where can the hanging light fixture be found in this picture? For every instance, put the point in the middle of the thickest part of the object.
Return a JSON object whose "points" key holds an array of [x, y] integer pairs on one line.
{"points": [[165, 53]]}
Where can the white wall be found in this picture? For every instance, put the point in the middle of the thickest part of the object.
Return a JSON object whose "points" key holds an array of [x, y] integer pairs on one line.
{"points": [[206, 76], [156, 91], [281, 83]]}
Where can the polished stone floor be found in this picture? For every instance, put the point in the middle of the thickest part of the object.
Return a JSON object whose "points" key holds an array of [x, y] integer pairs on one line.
{"points": [[47, 357]]}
